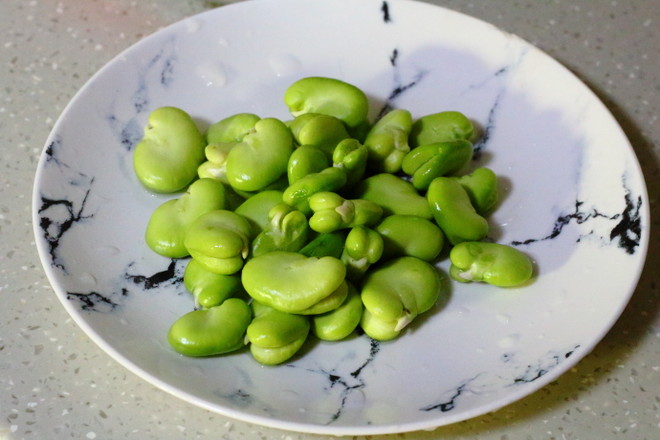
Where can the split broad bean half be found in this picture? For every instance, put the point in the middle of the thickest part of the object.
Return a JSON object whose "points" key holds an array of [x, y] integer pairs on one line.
{"points": [[325, 225]]}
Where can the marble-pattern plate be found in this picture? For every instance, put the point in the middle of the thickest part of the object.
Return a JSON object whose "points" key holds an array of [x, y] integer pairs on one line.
{"points": [[573, 198]]}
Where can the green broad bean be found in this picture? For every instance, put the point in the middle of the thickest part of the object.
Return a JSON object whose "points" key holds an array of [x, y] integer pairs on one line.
{"points": [[291, 282], [330, 97], [481, 186], [208, 332], [387, 141], [394, 195], [215, 166], [305, 160], [321, 131], [330, 302], [275, 356], [363, 247], [332, 212], [275, 336], [167, 157], [324, 245], [351, 156], [219, 241], [298, 194], [209, 289], [339, 323], [396, 292], [325, 222], [454, 213], [287, 230], [256, 208], [231, 129], [168, 224], [410, 235], [441, 127], [279, 185], [429, 161], [493, 263], [261, 158]]}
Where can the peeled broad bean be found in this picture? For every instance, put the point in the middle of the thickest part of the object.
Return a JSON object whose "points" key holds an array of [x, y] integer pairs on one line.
{"points": [[287, 230], [351, 156], [207, 332], [209, 289], [481, 186], [231, 129], [169, 223], [167, 157], [454, 213], [410, 235], [394, 195], [493, 263], [261, 158], [215, 166], [330, 302], [387, 141], [311, 218], [298, 194], [395, 293], [337, 324], [221, 137], [441, 127], [256, 208], [429, 161], [333, 212], [275, 336], [305, 160], [219, 241], [330, 97], [325, 245], [363, 247], [321, 131], [292, 282]]}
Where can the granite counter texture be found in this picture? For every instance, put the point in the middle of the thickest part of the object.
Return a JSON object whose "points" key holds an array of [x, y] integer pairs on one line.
{"points": [[55, 383]]}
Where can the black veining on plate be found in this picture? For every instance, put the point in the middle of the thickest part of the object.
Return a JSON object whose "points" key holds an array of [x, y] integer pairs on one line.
{"points": [[95, 301], [56, 218], [348, 383], [385, 9], [162, 65], [578, 215], [353, 382], [490, 124], [239, 398], [518, 373], [487, 129], [399, 86], [52, 149], [543, 366], [626, 231], [128, 133], [172, 275], [449, 403], [394, 57]]}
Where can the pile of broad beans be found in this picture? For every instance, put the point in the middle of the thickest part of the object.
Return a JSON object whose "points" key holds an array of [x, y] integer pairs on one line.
{"points": [[324, 224]]}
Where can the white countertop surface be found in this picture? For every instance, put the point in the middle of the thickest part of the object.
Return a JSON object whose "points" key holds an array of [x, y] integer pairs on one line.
{"points": [[55, 383]]}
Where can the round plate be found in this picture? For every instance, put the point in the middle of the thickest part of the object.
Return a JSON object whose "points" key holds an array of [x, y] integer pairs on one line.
{"points": [[574, 199]]}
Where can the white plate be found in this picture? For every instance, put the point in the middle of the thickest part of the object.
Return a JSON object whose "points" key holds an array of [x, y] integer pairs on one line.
{"points": [[575, 200]]}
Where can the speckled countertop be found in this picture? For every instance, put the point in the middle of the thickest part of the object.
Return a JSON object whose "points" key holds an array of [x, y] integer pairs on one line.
{"points": [[55, 383]]}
